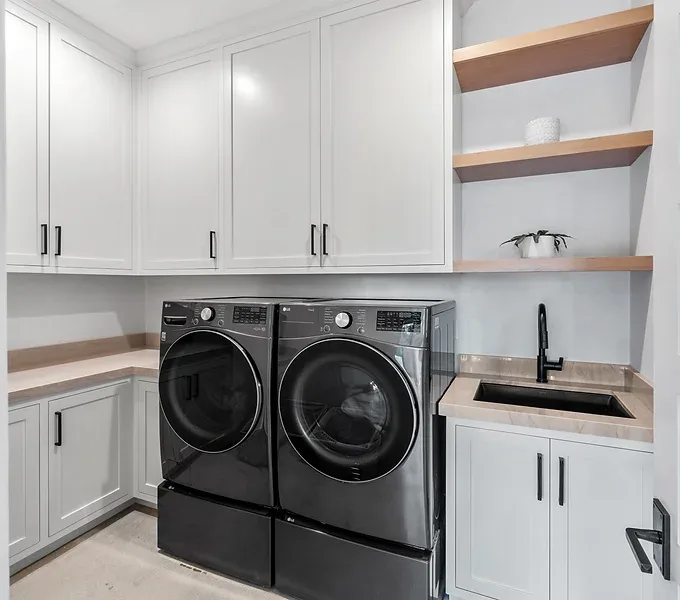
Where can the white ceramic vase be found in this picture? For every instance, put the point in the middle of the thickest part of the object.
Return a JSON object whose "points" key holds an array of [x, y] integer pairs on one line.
{"points": [[542, 131], [544, 249]]}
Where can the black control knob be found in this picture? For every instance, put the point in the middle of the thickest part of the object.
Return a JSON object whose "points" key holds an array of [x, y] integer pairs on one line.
{"points": [[208, 314]]}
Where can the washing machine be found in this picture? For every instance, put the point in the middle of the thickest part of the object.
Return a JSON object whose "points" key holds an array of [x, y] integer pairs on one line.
{"points": [[215, 387], [361, 447]]}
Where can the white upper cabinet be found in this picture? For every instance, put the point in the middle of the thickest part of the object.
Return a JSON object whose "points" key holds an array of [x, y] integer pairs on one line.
{"points": [[605, 490], [502, 515], [181, 139], [382, 134], [272, 120], [27, 48], [90, 152]]}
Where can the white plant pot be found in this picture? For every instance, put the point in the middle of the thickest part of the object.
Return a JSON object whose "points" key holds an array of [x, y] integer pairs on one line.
{"points": [[544, 249], [542, 131]]}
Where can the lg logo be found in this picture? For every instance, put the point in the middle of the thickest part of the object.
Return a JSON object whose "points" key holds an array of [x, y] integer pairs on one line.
{"points": [[286, 309]]}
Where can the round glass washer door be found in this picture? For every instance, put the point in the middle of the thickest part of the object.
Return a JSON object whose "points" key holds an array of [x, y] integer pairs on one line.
{"points": [[347, 410], [209, 390]]}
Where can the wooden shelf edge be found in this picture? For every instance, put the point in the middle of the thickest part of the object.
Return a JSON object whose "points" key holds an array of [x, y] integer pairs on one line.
{"points": [[618, 150], [538, 265], [553, 51]]}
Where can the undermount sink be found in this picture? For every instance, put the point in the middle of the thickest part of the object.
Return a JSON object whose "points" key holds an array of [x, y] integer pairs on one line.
{"points": [[565, 400]]}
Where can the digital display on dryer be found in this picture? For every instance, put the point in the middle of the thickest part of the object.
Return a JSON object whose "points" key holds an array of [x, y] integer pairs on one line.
{"points": [[399, 320], [250, 315]]}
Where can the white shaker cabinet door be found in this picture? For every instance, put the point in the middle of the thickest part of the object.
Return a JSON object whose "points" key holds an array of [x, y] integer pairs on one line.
{"points": [[272, 121], [24, 478], [502, 513], [149, 473], [27, 52], [181, 142], [90, 455], [603, 491], [90, 154], [382, 134]]}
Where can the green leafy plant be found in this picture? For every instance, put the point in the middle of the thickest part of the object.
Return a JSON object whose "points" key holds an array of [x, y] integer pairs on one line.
{"points": [[559, 239]]}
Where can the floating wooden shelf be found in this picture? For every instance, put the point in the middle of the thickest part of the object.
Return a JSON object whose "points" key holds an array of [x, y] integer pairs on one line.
{"points": [[598, 42], [620, 150], [534, 265]]}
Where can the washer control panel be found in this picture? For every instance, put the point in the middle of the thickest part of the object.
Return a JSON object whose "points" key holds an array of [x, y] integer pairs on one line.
{"points": [[250, 315], [399, 320]]}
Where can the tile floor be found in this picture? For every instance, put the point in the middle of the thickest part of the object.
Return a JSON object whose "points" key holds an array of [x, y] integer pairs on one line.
{"points": [[120, 562]]}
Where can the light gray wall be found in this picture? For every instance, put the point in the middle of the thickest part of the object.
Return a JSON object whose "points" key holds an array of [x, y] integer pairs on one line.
{"points": [[55, 309], [588, 313]]}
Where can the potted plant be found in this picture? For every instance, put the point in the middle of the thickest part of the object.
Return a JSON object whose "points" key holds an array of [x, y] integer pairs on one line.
{"points": [[542, 244]]}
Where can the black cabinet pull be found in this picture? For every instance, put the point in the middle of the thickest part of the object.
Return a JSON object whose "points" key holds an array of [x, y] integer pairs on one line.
{"points": [[561, 489], [57, 441], [324, 242], [43, 239], [213, 244], [313, 239], [57, 230], [539, 466]]}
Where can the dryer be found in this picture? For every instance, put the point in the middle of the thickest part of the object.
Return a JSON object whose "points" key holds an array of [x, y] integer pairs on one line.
{"points": [[215, 387], [360, 458]]}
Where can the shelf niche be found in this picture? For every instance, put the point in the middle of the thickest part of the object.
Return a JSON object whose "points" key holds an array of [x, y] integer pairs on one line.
{"points": [[599, 42]]}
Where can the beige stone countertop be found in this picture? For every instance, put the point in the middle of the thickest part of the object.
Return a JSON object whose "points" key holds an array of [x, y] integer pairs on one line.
{"points": [[73, 375], [459, 402]]}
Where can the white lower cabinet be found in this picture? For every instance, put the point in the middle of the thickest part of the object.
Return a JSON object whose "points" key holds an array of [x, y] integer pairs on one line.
{"points": [[542, 518], [90, 454], [502, 517], [605, 491], [149, 473], [24, 478]]}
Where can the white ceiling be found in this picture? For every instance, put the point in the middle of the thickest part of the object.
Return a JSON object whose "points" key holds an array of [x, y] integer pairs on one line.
{"points": [[142, 23]]}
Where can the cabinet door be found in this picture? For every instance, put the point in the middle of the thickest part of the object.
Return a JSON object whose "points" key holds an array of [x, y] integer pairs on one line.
{"points": [[181, 163], [502, 520], [90, 151], [89, 453], [605, 490], [382, 134], [149, 473], [27, 102], [24, 478], [272, 120]]}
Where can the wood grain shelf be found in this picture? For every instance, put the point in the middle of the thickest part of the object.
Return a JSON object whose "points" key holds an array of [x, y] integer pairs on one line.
{"points": [[536, 265], [607, 40], [620, 150]]}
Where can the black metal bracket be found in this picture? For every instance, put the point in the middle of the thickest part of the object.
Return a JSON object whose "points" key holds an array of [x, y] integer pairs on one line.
{"points": [[660, 536]]}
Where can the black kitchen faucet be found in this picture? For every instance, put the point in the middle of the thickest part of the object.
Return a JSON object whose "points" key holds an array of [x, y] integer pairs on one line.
{"points": [[543, 365]]}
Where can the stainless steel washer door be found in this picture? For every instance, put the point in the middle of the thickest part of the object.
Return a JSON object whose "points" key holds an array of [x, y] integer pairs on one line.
{"points": [[348, 410], [210, 392]]}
